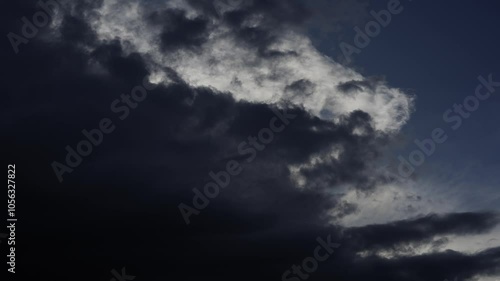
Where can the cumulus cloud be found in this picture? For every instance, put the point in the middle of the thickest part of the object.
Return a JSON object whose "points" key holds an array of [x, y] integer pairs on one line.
{"points": [[252, 51]]}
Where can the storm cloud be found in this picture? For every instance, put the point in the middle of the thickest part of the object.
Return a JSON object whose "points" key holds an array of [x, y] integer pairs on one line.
{"points": [[219, 77]]}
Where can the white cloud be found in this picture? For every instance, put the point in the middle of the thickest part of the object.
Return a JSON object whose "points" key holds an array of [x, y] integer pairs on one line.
{"points": [[228, 66]]}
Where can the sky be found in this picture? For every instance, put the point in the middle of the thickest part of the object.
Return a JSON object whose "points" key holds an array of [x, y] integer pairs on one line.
{"points": [[251, 140]]}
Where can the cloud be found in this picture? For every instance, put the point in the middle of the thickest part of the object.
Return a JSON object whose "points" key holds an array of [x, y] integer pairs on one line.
{"points": [[217, 85], [255, 52], [178, 31], [422, 230]]}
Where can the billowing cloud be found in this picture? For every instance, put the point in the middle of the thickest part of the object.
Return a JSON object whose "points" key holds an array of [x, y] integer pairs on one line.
{"points": [[253, 50]]}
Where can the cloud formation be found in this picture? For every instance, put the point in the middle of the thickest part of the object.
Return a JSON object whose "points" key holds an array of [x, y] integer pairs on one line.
{"points": [[255, 51], [219, 77]]}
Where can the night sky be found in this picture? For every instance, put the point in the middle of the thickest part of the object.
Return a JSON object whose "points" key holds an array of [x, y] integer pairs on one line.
{"points": [[251, 140]]}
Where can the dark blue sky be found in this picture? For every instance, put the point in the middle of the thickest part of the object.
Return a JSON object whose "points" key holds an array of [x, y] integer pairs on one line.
{"points": [[437, 49]]}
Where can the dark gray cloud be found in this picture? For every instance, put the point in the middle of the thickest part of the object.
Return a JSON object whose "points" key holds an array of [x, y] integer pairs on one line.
{"points": [[179, 31], [272, 16], [422, 229], [359, 85], [75, 30]]}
